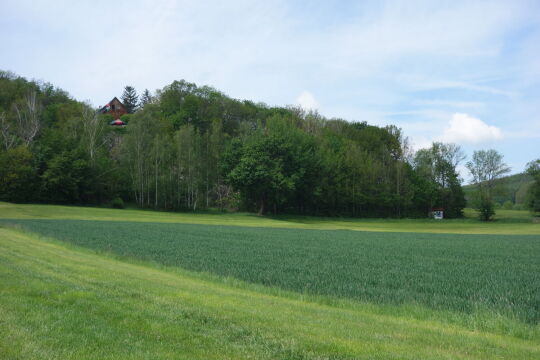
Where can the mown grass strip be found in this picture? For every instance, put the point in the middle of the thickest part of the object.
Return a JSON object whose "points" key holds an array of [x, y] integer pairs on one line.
{"points": [[508, 221], [63, 303]]}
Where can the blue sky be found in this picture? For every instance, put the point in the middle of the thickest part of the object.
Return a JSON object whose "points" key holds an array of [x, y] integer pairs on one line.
{"points": [[461, 71]]}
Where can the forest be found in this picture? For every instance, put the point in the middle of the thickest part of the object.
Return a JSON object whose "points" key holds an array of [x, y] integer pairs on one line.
{"points": [[187, 147]]}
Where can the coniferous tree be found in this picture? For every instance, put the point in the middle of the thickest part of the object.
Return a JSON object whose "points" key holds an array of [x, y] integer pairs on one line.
{"points": [[130, 99], [146, 98]]}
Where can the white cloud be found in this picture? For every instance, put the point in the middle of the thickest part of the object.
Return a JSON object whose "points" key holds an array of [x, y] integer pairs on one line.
{"points": [[307, 101], [464, 128]]}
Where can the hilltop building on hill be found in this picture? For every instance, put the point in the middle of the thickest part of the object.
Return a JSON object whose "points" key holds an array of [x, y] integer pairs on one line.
{"points": [[116, 109]]}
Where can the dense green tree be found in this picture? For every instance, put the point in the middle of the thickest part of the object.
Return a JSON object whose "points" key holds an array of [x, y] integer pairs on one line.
{"points": [[130, 99], [486, 167], [533, 193], [191, 148], [18, 175], [66, 177], [443, 190], [146, 98]]}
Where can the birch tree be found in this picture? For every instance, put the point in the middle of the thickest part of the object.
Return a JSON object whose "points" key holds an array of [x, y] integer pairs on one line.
{"points": [[28, 116], [93, 129], [9, 139]]}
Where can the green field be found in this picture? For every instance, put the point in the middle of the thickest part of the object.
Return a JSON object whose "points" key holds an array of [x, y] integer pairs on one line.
{"points": [[506, 221], [157, 287], [451, 272]]}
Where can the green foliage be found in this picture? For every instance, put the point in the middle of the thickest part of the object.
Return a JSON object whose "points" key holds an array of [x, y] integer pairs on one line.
{"points": [[193, 148], [533, 193], [18, 175], [485, 208], [508, 205], [146, 98], [486, 167], [130, 99], [442, 186], [65, 177], [117, 203], [509, 188], [461, 273]]}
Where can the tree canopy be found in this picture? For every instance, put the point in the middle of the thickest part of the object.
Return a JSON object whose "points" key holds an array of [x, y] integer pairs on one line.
{"points": [[486, 167], [130, 99], [189, 148]]}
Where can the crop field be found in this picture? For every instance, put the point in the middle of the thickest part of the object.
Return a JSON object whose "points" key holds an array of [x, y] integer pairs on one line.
{"points": [[454, 272], [112, 289]]}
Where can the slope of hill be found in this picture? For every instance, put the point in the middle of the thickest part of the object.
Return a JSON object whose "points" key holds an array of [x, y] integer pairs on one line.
{"points": [[193, 147], [511, 188]]}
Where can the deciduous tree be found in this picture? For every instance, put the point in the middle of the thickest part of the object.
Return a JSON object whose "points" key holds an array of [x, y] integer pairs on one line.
{"points": [[533, 193], [486, 167]]}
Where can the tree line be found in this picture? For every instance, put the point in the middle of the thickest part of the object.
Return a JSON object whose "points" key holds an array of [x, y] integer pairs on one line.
{"points": [[187, 147]]}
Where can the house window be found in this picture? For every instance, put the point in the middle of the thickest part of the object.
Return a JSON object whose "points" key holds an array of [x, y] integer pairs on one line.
{"points": [[112, 106]]}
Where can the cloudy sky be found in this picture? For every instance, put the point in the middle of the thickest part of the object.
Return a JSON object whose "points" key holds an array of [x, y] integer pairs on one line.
{"points": [[458, 71]]}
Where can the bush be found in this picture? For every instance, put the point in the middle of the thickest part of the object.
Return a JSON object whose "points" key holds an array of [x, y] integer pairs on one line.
{"points": [[486, 209], [18, 175], [125, 118], [117, 203], [508, 205]]}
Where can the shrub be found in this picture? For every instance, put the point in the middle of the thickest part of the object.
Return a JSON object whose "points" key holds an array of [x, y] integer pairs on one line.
{"points": [[486, 209], [117, 203], [508, 205]]}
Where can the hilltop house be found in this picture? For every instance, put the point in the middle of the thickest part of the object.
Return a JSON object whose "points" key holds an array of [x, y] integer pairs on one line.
{"points": [[116, 109]]}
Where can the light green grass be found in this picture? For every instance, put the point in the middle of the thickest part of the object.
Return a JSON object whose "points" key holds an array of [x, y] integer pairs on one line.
{"points": [[455, 272], [59, 302], [508, 221]]}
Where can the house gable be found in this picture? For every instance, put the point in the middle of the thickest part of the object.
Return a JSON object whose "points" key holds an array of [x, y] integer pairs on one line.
{"points": [[114, 108]]}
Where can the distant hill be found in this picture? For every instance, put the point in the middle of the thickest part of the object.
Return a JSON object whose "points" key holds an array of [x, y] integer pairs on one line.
{"points": [[511, 188]]}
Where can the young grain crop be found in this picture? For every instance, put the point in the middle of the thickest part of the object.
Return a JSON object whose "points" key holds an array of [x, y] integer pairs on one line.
{"points": [[63, 302], [454, 272]]}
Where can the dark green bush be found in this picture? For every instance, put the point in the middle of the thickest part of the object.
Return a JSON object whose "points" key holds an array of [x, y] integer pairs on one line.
{"points": [[486, 209], [117, 203]]}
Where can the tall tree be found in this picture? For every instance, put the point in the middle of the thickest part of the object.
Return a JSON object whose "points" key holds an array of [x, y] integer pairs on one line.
{"points": [[9, 139], [533, 194], [146, 98], [130, 99], [438, 164], [28, 117], [93, 129], [486, 167], [18, 175]]}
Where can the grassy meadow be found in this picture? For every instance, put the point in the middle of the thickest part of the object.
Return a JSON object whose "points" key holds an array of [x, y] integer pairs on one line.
{"points": [[129, 284], [506, 221]]}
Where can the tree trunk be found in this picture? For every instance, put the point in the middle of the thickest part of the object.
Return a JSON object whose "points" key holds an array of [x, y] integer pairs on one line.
{"points": [[261, 209]]}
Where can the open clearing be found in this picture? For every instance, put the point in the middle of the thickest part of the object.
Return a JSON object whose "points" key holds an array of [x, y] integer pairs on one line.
{"points": [[132, 290]]}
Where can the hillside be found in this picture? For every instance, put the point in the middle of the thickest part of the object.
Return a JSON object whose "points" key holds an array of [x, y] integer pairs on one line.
{"points": [[512, 188], [191, 148]]}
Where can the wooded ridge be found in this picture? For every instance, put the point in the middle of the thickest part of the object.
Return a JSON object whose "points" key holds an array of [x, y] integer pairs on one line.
{"points": [[189, 148]]}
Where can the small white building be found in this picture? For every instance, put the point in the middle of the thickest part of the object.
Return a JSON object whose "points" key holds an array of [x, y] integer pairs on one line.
{"points": [[438, 213]]}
